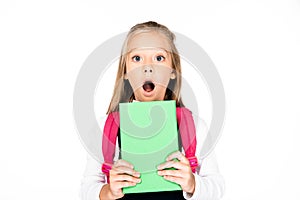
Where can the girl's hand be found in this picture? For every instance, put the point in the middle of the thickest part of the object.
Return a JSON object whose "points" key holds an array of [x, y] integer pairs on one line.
{"points": [[183, 174], [121, 175]]}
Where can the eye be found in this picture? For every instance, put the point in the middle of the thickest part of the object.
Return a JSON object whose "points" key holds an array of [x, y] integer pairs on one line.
{"points": [[159, 58], [136, 58]]}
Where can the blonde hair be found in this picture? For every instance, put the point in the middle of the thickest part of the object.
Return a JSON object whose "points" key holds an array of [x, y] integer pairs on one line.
{"points": [[123, 92]]}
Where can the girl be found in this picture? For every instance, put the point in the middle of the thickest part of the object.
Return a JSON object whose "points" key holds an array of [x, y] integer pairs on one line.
{"points": [[150, 70]]}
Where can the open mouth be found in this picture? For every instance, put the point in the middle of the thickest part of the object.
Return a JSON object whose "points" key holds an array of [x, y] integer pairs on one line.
{"points": [[148, 86]]}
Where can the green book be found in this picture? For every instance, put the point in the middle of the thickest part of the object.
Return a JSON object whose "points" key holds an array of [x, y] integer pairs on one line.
{"points": [[148, 132]]}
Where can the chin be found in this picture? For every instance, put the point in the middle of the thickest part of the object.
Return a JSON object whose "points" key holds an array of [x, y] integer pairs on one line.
{"points": [[143, 98]]}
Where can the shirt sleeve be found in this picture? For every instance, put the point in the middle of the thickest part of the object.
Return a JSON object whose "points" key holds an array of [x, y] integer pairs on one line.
{"points": [[209, 183], [92, 181]]}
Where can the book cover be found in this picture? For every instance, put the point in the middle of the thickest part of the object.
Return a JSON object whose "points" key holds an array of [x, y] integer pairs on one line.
{"points": [[148, 132]]}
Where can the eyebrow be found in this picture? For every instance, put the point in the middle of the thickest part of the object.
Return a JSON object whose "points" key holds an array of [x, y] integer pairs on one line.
{"points": [[146, 48]]}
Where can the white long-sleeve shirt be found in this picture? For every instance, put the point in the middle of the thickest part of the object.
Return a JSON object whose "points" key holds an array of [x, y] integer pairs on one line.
{"points": [[209, 182]]}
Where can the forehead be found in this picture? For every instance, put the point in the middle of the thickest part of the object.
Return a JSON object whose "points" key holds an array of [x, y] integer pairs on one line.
{"points": [[152, 40]]}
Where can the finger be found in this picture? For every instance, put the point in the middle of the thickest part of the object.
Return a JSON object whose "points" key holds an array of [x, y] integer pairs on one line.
{"points": [[178, 155], [124, 170], [124, 177], [124, 163], [175, 173], [174, 179], [172, 163], [120, 184]]}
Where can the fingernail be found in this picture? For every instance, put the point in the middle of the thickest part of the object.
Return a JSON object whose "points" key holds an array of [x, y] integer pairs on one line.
{"points": [[137, 174], [138, 180]]}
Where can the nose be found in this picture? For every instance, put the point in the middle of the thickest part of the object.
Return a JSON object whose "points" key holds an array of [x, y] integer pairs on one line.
{"points": [[148, 70]]}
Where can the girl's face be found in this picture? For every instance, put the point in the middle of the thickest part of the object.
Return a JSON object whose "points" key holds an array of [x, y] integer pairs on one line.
{"points": [[149, 66]]}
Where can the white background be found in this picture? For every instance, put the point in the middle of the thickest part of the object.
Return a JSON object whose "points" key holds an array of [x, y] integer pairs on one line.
{"points": [[255, 46]]}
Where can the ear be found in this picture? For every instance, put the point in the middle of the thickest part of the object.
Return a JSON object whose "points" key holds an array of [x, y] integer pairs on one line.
{"points": [[173, 74]]}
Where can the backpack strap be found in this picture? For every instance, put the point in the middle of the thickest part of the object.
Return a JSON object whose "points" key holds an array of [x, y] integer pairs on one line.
{"points": [[109, 137], [187, 132]]}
